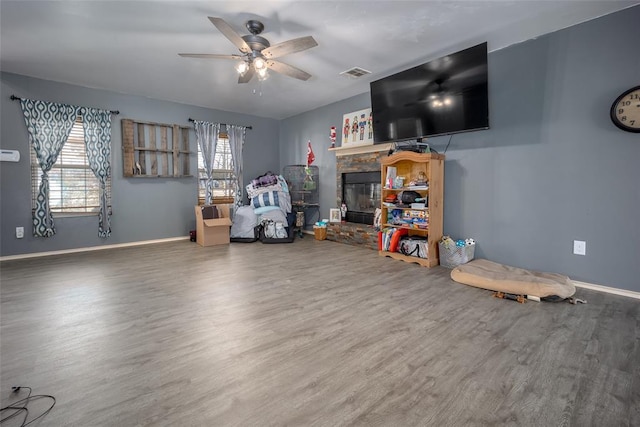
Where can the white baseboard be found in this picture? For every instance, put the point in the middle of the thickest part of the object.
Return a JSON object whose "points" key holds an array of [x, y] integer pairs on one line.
{"points": [[607, 289], [91, 248]]}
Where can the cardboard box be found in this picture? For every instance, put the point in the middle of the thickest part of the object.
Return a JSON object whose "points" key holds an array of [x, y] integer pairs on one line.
{"points": [[211, 232]]}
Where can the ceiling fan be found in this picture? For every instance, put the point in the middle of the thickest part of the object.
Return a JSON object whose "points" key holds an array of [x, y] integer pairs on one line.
{"points": [[257, 54]]}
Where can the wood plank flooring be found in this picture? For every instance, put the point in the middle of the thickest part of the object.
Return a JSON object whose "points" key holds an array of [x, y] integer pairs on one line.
{"points": [[313, 333]]}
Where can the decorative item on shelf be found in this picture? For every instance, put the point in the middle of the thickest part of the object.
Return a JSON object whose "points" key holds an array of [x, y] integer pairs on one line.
{"points": [[334, 215], [343, 212], [332, 136], [398, 182], [390, 178]]}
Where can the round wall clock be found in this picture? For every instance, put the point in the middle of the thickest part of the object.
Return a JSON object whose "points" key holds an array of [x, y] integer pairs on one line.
{"points": [[625, 111]]}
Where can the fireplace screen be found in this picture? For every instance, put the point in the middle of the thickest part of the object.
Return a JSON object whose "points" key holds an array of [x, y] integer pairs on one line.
{"points": [[361, 194]]}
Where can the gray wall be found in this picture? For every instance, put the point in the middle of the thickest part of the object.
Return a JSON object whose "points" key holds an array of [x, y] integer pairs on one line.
{"points": [[315, 126], [143, 209], [552, 168]]}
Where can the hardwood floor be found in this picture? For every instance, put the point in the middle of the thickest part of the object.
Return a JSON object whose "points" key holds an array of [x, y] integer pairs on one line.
{"points": [[313, 333]]}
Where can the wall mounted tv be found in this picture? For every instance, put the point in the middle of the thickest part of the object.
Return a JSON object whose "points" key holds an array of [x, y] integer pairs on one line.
{"points": [[443, 96]]}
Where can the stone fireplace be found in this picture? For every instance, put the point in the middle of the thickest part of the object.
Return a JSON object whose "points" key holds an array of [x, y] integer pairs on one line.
{"points": [[358, 183]]}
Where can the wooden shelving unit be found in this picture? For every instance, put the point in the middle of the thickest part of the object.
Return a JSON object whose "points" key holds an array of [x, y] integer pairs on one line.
{"points": [[409, 165], [155, 150]]}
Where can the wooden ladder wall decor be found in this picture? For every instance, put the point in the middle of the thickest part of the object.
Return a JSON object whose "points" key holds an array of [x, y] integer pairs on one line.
{"points": [[144, 159]]}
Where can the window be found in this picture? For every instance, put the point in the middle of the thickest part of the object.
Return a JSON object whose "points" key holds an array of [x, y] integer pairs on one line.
{"points": [[224, 180], [73, 188]]}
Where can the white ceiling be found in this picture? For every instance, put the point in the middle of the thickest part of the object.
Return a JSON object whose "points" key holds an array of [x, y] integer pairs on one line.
{"points": [[132, 46]]}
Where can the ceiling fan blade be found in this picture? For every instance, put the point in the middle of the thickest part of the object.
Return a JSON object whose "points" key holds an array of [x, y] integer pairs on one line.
{"points": [[290, 46], [244, 78], [209, 56], [230, 33], [288, 70]]}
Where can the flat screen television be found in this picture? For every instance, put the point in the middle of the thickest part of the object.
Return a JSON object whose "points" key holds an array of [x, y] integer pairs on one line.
{"points": [[443, 96]]}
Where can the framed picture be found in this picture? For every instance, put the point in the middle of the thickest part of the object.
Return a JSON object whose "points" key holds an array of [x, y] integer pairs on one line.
{"points": [[334, 215], [357, 128]]}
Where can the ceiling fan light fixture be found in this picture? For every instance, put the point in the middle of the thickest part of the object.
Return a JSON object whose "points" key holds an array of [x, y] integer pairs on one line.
{"points": [[262, 74], [242, 67], [259, 64], [257, 54]]}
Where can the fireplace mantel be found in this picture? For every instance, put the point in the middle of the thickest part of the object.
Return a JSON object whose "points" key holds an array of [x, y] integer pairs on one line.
{"points": [[350, 149]]}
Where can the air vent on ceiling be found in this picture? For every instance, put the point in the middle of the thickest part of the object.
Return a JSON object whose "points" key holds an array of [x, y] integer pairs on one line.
{"points": [[355, 72]]}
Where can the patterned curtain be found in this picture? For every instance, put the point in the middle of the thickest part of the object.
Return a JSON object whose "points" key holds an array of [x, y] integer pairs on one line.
{"points": [[207, 137], [97, 139], [236, 141], [49, 125]]}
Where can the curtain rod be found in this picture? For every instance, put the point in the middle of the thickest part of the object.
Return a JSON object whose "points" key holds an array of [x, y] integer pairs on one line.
{"points": [[15, 98], [221, 124]]}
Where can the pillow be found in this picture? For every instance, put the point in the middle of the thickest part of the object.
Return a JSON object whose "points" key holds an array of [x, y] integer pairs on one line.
{"points": [[265, 199]]}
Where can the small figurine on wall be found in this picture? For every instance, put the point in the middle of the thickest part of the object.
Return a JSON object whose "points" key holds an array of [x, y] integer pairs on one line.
{"points": [[370, 123], [332, 136], [362, 123]]}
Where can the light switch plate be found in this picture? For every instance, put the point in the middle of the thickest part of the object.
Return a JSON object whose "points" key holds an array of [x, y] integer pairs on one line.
{"points": [[579, 247]]}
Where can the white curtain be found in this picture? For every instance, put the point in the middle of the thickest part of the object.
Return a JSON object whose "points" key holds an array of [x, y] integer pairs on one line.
{"points": [[207, 138], [236, 142]]}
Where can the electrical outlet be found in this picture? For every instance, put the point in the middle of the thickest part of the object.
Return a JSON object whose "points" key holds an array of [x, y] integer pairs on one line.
{"points": [[579, 247], [19, 232]]}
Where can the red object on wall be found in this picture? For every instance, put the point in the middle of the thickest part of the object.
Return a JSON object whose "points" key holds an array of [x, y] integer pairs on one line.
{"points": [[310, 156]]}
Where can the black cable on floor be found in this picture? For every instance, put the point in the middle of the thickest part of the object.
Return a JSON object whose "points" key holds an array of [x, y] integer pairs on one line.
{"points": [[15, 406]]}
